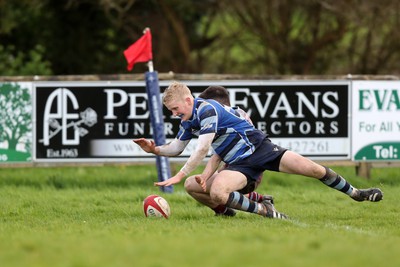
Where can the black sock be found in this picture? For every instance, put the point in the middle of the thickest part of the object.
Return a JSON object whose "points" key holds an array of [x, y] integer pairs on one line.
{"points": [[240, 202], [334, 180]]}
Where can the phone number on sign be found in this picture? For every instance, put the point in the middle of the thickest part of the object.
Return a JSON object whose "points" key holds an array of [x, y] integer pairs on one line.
{"points": [[306, 146]]}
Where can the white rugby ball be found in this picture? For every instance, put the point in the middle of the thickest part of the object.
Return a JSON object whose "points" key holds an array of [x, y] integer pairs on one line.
{"points": [[156, 206]]}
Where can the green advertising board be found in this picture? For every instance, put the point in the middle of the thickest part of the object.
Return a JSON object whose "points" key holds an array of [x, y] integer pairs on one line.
{"points": [[15, 122]]}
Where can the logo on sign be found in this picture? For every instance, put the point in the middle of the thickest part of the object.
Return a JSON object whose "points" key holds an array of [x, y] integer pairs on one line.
{"points": [[62, 116]]}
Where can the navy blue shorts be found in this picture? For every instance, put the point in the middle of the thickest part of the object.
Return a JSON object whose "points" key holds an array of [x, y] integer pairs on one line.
{"points": [[266, 157]]}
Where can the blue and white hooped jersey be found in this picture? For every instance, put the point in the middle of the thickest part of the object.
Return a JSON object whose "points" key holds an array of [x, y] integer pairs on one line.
{"points": [[235, 137]]}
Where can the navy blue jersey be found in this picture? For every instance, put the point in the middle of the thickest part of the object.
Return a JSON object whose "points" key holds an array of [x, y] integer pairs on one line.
{"points": [[235, 138]]}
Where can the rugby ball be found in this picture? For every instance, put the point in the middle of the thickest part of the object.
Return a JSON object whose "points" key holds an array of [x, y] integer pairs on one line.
{"points": [[156, 206]]}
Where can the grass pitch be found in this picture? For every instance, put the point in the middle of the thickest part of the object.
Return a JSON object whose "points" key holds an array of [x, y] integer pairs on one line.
{"points": [[92, 216]]}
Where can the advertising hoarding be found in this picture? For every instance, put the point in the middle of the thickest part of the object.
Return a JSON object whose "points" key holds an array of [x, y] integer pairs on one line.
{"points": [[376, 121], [15, 122], [96, 121]]}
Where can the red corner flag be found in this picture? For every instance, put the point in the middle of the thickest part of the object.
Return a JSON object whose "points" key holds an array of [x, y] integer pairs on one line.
{"points": [[140, 51]]}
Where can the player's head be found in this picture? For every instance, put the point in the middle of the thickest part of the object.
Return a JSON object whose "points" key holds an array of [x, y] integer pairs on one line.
{"points": [[179, 100], [176, 91], [217, 93]]}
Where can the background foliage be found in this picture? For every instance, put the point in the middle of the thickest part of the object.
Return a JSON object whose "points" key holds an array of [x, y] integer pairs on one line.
{"points": [[227, 36]]}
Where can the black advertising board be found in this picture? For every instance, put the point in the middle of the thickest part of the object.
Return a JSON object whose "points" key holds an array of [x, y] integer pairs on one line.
{"points": [[96, 121]]}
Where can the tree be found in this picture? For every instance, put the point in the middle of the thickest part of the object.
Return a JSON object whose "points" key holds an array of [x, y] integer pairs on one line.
{"points": [[371, 43], [180, 29], [284, 37], [15, 114], [13, 63], [17, 59], [225, 36], [308, 37], [89, 37]]}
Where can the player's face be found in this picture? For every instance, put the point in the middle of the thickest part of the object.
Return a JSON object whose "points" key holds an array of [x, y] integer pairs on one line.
{"points": [[181, 108]]}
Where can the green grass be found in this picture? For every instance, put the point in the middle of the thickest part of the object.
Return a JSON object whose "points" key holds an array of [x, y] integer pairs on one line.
{"points": [[92, 216]]}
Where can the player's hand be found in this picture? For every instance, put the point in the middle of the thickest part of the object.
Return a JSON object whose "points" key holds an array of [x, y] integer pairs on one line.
{"points": [[147, 145], [171, 181], [202, 182]]}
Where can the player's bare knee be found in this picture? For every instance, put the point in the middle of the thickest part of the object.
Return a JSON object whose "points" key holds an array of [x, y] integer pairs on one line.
{"points": [[190, 183]]}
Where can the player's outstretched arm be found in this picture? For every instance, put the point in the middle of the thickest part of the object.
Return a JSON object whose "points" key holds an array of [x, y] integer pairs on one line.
{"points": [[171, 149]]}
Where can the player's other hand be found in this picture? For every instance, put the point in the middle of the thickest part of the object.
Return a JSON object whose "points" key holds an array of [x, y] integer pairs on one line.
{"points": [[202, 182]]}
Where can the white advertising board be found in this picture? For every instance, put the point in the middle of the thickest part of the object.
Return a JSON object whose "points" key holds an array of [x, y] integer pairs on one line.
{"points": [[376, 120]]}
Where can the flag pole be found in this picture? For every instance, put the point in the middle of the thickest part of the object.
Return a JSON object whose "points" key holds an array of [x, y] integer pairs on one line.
{"points": [[150, 62], [150, 65], [157, 122], [141, 51]]}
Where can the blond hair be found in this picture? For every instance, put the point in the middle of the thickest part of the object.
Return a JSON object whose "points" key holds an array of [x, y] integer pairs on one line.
{"points": [[176, 91]]}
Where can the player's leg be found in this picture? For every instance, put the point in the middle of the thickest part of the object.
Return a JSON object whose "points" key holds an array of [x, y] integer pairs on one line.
{"points": [[294, 163], [225, 192], [195, 191], [257, 197]]}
